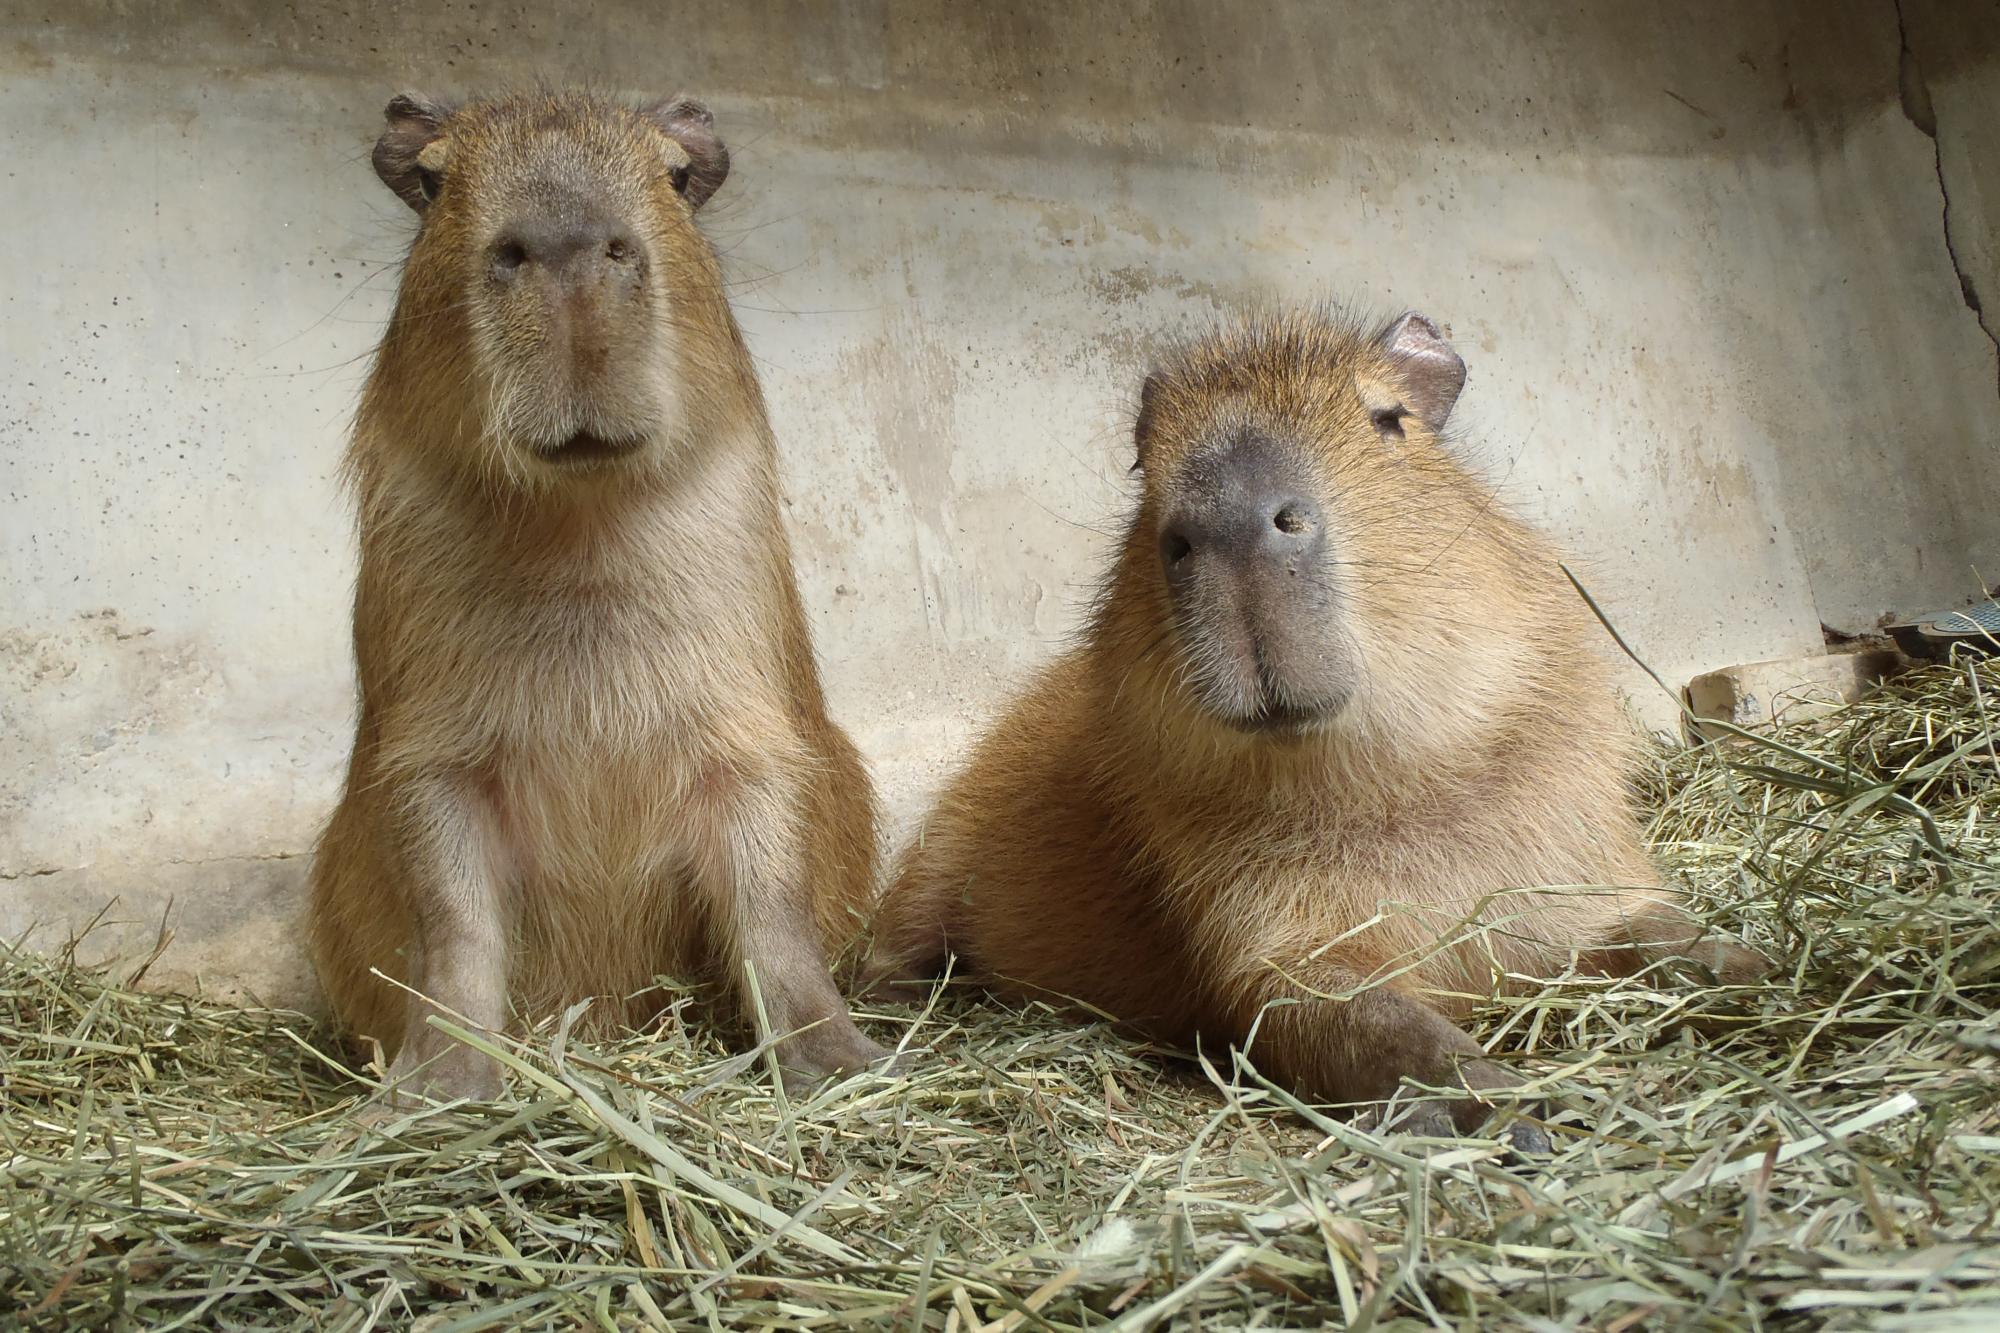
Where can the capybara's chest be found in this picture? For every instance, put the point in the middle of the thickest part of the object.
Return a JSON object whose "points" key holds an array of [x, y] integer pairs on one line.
{"points": [[617, 664], [586, 818], [1447, 901]]}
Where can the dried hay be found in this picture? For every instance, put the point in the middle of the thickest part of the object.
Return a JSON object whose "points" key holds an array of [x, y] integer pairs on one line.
{"points": [[1820, 1150]]}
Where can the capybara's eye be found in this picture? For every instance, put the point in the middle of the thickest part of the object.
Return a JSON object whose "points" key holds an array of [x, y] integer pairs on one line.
{"points": [[1389, 421], [429, 183], [508, 256], [679, 177]]}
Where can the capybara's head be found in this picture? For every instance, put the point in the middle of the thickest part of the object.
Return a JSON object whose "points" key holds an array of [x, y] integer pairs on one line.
{"points": [[557, 295], [1299, 520]]}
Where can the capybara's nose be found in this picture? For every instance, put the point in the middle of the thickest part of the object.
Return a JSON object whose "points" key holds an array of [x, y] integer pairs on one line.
{"points": [[570, 246], [1247, 506]]}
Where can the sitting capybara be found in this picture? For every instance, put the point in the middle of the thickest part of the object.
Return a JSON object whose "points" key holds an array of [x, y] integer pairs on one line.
{"points": [[592, 746], [1333, 711]]}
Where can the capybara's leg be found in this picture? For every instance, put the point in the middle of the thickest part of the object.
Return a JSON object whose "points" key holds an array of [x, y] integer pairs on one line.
{"points": [[1659, 930], [453, 857], [1335, 1037], [750, 869]]}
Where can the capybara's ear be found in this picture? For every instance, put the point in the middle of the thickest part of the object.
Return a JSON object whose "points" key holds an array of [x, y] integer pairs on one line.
{"points": [[689, 124], [1149, 408], [1430, 372], [410, 156]]}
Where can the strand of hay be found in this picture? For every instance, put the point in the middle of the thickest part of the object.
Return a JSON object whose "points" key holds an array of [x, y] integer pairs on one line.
{"points": [[1822, 1150]]}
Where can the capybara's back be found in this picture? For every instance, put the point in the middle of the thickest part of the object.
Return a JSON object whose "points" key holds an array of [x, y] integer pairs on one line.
{"points": [[1335, 756], [593, 747]]}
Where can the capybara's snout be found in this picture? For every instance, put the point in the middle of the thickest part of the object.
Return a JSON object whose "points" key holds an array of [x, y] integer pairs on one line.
{"points": [[570, 248], [1244, 549], [1245, 511]]}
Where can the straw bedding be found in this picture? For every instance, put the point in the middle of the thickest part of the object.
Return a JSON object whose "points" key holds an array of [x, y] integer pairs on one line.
{"points": [[1821, 1150]]}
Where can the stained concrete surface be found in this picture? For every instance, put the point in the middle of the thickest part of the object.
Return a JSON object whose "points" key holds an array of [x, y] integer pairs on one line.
{"points": [[1696, 256]]}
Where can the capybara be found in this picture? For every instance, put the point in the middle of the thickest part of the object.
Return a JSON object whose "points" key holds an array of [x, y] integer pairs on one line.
{"points": [[1334, 755], [592, 745]]}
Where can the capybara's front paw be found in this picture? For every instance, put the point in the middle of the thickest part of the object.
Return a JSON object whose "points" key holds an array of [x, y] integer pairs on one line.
{"points": [[1441, 1119], [1471, 1114], [830, 1051], [441, 1072], [1454, 1117]]}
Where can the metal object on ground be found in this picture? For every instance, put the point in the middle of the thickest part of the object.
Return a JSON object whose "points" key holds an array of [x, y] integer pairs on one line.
{"points": [[1934, 635]]}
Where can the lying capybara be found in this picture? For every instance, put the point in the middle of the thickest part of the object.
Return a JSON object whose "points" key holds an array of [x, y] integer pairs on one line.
{"points": [[593, 747], [1334, 712]]}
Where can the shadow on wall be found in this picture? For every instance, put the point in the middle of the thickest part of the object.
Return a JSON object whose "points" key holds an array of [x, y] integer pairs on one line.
{"points": [[1020, 68]]}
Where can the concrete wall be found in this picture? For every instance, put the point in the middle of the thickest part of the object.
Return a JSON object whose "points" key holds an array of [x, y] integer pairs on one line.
{"points": [[1695, 255]]}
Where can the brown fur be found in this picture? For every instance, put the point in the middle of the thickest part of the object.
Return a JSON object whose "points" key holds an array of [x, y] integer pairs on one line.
{"points": [[592, 747], [1111, 841]]}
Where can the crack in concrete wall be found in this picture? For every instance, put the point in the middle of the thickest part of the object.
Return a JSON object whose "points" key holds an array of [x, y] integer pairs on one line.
{"points": [[1918, 108], [240, 858]]}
